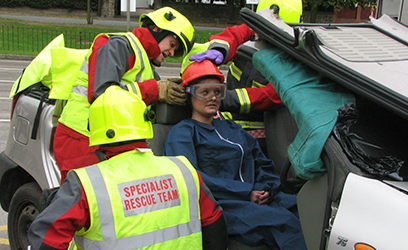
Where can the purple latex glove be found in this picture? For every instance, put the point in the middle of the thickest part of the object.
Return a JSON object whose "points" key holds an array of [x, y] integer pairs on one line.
{"points": [[211, 54]]}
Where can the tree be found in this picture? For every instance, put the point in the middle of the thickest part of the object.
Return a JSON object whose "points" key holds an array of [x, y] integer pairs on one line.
{"points": [[88, 13], [337, 4]]}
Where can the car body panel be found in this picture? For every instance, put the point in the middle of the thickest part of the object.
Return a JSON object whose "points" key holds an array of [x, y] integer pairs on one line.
{"points": [[368, 209], [34, 155]]}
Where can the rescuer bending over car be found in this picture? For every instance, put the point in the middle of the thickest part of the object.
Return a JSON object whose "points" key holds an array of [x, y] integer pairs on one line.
{"points": [[123, 60]]}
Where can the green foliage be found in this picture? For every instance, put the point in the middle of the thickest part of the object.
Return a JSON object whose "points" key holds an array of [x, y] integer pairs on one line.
{"points": [[11, 3], [338, 4], [38, 4], [22, 38], [46, 4]]}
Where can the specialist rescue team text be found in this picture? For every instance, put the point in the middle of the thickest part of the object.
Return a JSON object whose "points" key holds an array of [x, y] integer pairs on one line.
{"points": [[149, 194]]}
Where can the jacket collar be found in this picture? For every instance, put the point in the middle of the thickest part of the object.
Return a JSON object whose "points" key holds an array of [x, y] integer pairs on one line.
{"points": [[148, 42], [104, 152]]}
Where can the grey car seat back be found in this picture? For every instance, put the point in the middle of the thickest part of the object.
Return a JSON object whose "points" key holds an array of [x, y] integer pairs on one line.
{"points": [[166, 117]]}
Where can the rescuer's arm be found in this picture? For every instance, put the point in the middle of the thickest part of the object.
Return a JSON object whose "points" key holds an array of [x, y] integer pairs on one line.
{"points": [[227, 43], [246, 100], [109, 62], [55, 227], [214, 225]]}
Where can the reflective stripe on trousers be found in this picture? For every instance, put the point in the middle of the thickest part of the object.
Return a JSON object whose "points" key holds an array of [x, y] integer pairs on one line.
{"points": [[142, 240]]}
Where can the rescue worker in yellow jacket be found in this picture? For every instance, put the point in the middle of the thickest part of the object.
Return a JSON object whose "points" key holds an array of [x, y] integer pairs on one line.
{"points": [[132, 200], [126, 60]]}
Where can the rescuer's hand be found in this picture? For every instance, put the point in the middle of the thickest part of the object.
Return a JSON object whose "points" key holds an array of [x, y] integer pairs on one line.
{"points": [[171, 92], [213, 55]]}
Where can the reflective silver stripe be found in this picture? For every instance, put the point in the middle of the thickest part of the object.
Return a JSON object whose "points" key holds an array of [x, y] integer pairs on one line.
{"points": [[245, 105], [235, 71], [84, 67], [105, 212], [138, 241], [134, 90], [80, 90], [72, 245], [250, 124], [122, 83], [139, 52], [192, 189], [226, 115]]}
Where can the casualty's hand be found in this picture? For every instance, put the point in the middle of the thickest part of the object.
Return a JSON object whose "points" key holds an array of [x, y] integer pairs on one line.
{"points": [[211, 54], [171, 92], [260, 197]]}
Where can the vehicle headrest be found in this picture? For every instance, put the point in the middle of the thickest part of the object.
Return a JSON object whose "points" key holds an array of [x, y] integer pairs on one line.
{"points": [[170, 114]]}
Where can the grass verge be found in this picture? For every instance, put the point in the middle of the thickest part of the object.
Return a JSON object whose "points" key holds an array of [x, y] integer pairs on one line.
{"points": [[29, 38]]}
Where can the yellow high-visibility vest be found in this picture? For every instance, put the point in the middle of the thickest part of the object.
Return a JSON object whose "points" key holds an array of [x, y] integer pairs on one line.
{"points": [[141, 201]]}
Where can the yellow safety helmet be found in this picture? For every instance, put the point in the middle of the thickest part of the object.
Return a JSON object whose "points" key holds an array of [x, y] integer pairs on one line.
{"points": [[117, 116], [290, 11], [169, 19]]}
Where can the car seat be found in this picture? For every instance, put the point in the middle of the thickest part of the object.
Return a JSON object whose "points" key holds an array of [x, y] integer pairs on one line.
{"points": [[280, 131], [166, 117]]}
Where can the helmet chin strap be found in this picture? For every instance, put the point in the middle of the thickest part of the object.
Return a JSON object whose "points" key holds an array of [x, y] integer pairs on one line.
{"points": [[154, 63], [159, 35]]}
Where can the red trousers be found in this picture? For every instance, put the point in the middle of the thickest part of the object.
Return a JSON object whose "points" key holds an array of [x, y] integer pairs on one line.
{"points": [[71, 150]]}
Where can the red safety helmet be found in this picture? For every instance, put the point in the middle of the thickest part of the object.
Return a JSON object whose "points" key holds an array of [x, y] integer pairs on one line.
{"points": [[200, 69]]}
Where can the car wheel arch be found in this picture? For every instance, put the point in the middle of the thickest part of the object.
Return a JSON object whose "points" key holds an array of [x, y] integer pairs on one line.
{"points": [[10, 182]]}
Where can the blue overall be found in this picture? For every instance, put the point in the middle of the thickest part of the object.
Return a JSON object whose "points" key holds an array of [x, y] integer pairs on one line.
{"points": [[232, 165]]}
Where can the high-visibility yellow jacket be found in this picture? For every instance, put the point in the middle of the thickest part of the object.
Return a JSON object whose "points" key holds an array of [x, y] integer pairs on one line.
{"points": [[139, 201], [76, 112]]}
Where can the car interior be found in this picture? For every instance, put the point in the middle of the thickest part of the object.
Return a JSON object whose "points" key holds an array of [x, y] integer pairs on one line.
{"points": [[379, 132]]}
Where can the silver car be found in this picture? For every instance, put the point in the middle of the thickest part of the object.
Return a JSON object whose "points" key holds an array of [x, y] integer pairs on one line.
{"points": [[358, 202]]}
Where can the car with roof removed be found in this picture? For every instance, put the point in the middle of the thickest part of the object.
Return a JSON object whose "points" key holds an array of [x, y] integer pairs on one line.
{"points": [[340, 145]]}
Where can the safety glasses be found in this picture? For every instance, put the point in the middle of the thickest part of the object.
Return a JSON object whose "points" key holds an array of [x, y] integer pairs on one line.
{"points": [[208, 91]]}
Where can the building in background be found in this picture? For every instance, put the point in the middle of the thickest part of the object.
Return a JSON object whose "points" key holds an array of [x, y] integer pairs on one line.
{"points": [[136, 6], [397, 9]]}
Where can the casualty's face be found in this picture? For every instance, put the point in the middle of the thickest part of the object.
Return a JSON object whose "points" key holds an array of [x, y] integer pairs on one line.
{"points": [[167, 46], [207, 108]]}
